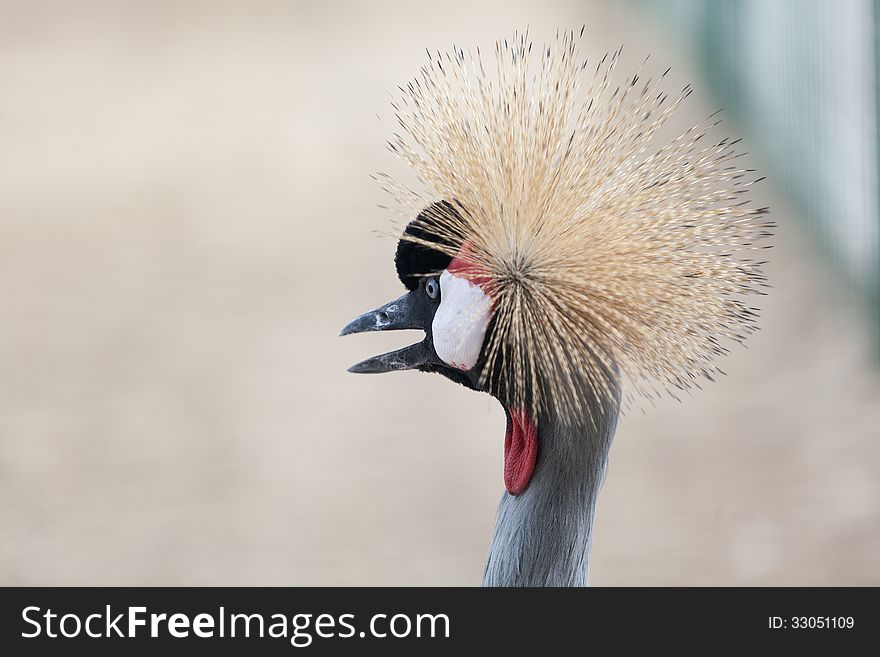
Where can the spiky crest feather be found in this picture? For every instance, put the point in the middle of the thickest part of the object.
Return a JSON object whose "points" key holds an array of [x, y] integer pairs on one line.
{"points": [[607, 254]]}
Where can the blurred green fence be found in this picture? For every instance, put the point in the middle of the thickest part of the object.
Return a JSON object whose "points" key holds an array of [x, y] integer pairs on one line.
{"points": [[801, 78]]}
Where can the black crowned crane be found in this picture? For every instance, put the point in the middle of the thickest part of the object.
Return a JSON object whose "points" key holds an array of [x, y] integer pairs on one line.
{"points": [[563, 263]]}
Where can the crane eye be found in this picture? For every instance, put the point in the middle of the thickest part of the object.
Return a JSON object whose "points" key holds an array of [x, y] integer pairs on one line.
{"points": [[432, 288]]}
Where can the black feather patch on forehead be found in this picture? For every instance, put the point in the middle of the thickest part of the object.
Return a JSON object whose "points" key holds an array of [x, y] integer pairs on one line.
{"points": [[412, 260]]}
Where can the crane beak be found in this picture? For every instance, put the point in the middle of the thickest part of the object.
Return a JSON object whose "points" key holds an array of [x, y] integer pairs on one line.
{"points": [[407, 312]]}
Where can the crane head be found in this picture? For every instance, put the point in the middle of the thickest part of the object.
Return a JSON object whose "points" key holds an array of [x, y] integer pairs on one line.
{"points": [[575, 254], [450, 298], [444, 298]]}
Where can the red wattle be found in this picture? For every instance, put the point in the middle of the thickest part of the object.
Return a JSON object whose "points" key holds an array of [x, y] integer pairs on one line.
{"points": [[520, 451]]}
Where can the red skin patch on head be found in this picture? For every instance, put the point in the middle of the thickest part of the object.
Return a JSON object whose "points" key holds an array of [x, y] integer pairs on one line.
{"points": [[520, 451], [464, 265]]}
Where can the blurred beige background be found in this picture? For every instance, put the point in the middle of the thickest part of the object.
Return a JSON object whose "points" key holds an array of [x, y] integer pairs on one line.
{"points": [[186, 222]]}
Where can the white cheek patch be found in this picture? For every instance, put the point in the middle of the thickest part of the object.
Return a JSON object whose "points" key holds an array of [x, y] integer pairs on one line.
{"points": [[460, 321]]}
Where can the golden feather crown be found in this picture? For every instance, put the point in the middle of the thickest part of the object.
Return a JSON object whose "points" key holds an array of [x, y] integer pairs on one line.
{"points": [[610, 255]]}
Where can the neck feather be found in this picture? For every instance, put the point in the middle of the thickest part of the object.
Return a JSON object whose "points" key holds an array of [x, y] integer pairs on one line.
{"points": [[542, 536]]}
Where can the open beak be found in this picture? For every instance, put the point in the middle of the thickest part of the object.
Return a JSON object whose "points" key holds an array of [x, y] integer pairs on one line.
{"points": [[407, 312]]}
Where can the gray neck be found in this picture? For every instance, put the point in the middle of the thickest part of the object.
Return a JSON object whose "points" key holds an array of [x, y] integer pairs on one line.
{"points": [[542, 536]]}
